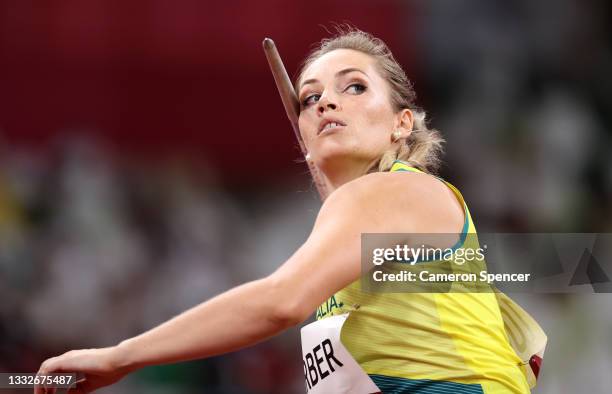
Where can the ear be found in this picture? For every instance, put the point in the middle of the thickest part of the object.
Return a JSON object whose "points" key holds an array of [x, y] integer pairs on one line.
{"points": [[404, 122]]}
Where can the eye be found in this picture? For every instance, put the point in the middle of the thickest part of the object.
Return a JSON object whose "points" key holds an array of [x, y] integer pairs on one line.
{"points": [[355, 88], [313, 98]]}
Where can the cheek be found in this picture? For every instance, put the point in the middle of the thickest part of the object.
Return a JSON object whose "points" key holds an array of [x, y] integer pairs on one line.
{"points": [[306, 125], [379, 113], [377, 122], [373, 109]]}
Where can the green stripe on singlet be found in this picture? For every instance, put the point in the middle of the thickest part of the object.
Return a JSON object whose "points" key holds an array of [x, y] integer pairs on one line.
{"points": [[393, 385]]}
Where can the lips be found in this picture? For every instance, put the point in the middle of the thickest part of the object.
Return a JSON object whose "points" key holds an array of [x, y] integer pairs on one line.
{"points": [[329, 123]]}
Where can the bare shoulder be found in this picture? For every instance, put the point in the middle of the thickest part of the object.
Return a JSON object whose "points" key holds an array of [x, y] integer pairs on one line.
{"points": [[399, 202]]}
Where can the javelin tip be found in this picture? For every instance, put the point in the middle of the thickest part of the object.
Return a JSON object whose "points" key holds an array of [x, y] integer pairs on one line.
{"points": [[268, 43]]}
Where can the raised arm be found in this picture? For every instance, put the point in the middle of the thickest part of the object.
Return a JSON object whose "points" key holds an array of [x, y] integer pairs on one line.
{"points": [[328, 261]]}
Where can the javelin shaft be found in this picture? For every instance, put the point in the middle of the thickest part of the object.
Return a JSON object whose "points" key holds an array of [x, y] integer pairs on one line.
{"points": [[292, 106]]}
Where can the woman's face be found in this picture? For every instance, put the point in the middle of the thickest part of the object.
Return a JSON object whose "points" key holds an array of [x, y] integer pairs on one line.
{"points": [[345, 110]]}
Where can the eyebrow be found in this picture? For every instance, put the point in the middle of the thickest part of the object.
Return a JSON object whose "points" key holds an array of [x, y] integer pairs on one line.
{"points": [[338, 74]]}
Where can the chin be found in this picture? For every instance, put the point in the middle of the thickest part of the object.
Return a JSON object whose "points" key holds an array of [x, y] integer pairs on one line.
{"points": [[337, 156], [332, 153]]}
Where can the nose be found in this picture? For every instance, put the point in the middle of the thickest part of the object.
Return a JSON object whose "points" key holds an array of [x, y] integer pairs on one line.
{"points": [[326, 104]]}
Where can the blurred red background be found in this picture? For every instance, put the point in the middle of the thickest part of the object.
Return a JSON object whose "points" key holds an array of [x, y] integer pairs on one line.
{"points": [[155, 79]]}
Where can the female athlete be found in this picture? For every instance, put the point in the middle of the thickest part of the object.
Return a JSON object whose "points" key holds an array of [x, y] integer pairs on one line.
{"points": [[364, 134]]}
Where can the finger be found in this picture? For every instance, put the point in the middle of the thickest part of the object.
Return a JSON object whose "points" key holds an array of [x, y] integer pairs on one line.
{"points": [[51, 365], [38, 389], [43, 389], [64, 363], [43, 369], [82, 387]]}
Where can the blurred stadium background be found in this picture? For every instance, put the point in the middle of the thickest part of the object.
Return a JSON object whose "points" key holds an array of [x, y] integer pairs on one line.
{"points": [[146, 163]]}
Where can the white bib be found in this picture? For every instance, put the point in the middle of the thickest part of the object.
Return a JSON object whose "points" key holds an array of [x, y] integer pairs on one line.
{"points": [[328, 365]]}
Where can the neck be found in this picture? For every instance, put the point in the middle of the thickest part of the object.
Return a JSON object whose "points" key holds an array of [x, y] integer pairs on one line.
{"points": [[338, 173]]}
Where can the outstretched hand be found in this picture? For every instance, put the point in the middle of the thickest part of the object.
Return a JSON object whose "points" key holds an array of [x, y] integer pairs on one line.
{"points": [[97, 366]]}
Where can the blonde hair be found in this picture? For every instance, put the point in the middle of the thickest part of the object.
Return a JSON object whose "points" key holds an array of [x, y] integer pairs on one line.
{"points": [[424, 146]]}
